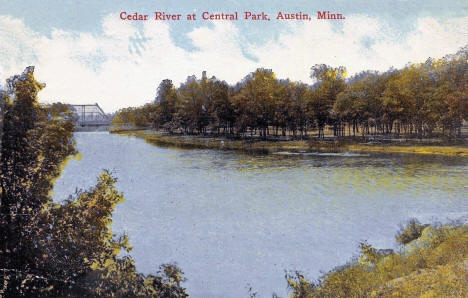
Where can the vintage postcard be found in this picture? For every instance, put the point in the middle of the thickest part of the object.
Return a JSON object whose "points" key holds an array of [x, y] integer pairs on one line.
{"points": [[215, 149]]}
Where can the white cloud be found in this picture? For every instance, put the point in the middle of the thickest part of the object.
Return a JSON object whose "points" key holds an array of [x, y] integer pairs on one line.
{"points": [[16, 45], [362, 43], [116, 70]]}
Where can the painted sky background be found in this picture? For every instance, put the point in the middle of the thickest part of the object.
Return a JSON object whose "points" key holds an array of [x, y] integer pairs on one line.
{"points": [[86, 54]]}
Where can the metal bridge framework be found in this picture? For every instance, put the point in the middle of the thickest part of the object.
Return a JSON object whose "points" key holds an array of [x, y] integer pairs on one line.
{"points": [[90, 115]]}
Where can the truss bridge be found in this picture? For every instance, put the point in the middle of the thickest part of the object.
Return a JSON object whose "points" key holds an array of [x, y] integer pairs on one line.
{"points": [[89, 115]]}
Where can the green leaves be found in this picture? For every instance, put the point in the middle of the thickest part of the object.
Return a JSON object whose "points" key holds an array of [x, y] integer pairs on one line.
{"points": [[64, 249], [419, 100]]}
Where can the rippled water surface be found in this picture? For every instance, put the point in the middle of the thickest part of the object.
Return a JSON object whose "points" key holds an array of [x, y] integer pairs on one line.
{"points": [[230, 219]]}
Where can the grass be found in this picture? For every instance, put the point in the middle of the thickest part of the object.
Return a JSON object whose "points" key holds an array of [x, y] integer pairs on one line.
{"points": [[222, 143], [448, 150], [432, 265]]}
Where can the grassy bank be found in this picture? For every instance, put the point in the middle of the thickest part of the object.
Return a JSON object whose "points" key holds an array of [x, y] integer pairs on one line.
{"points": [[433, 262], [411, 149], [220, 143]]}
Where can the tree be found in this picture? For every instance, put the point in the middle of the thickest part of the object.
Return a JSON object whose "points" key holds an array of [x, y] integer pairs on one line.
{"points": [[193, 112], [222, 108], [421, 99], [298, 118], [166, 100], [35, 142], [330, 83], [256, 100], [359, 103], [452, 91], [51, 249]]}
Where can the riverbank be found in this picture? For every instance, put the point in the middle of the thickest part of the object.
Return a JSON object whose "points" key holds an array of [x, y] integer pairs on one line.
{"points": [[221, 143], [432, 262]]}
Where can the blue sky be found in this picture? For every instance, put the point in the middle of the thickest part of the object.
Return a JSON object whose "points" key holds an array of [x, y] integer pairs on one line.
{"points": [[122, 63], [86, 16]]}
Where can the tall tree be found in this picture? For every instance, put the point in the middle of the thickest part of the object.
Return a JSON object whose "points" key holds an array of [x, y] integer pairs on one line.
{"points": [[257, 99], [60, 250], [330, 83], [166, 100], [35, 142]]}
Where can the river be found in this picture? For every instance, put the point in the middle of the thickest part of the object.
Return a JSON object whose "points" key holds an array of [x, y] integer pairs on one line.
{"points": [[232, 220]]}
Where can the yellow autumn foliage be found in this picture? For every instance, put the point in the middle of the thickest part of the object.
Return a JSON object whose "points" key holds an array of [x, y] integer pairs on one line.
{"points": [[433, 265]]}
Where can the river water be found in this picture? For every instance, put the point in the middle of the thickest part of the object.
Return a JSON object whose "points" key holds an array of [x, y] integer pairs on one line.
{"points": [[233, 221]]}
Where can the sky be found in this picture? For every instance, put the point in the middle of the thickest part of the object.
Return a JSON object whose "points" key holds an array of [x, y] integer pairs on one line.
{"points": [[85, 53]]}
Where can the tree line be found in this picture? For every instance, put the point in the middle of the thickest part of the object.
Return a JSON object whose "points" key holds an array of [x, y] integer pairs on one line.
{"points": [[67, 249], [420, 100]]}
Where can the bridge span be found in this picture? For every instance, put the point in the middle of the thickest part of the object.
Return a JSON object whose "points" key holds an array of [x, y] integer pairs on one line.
{"points": [[89, 115]]}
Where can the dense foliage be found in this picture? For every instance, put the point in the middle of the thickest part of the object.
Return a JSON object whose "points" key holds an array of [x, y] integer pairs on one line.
{"points": [[66, 249], [434, 264], [421, 100]]}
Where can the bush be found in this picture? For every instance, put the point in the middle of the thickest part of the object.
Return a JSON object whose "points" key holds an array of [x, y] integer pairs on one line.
{"points": [[412, 231], [433, 266]]}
